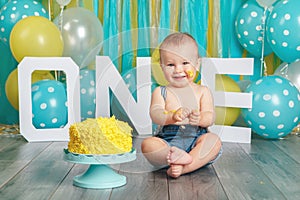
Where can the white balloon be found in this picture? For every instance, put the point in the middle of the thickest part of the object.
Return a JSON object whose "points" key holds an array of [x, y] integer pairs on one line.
{"points": [[290, 71], [63, 2], [265, 3], [82, 34]]}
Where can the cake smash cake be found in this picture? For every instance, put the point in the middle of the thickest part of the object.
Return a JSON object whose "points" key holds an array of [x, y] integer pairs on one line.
{"points": [[101, 135]]}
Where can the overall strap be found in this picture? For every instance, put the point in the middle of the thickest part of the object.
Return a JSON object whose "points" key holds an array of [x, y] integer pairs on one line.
{"points": [[163, 91]]}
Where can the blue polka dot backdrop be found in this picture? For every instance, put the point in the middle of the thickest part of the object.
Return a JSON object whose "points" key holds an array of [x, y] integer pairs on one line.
{"points": [[87, 93], [275, 107], [283, 28], [15, 10], [249, 28], [49, 104]]}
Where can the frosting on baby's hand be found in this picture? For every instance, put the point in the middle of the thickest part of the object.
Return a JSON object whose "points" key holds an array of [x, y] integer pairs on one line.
{"points": [[168, 112]]}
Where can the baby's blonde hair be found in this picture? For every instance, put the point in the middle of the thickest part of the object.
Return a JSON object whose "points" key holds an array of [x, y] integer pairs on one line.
{"points": [[178, 39]]}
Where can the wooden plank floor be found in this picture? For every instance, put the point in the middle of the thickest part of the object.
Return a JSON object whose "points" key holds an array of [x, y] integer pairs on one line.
{"points": [[264, 169]]}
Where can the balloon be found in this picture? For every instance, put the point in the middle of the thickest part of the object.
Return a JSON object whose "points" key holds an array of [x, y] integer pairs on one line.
{"points": [[8, 114], [129, 78], [49, 104], [278, 68], [2, 2], [226, 115], [37, 37], [283, 27], [82, 35], [157, 72], [243, 84], [11, 86], [16, 10], [63, 2], [275, 107], [249, 28], [265, 3], [291, 72], [87, 93]]}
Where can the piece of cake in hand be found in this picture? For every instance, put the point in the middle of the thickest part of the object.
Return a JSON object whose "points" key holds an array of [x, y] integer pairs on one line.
{"points": [[102, 135]]}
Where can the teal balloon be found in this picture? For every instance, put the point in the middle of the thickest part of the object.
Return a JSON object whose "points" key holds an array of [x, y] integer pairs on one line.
{"points": [[2, 3], [249, 28], [129, 78], [87, 93], [275, 107], [8, 115], [283, 28], [257, 68], [16, 10], [49, 104]]}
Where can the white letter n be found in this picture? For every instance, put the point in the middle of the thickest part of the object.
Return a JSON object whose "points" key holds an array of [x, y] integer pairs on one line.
{"points": [[108, 77]]}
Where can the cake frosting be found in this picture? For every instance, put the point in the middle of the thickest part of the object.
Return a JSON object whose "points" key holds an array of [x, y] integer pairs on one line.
{"points": [[101, 135]]}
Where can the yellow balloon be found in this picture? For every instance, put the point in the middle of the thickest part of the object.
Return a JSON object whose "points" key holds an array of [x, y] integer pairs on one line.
{"points": [[157, 72], [11, 85], [37, 37], [226, 115]]}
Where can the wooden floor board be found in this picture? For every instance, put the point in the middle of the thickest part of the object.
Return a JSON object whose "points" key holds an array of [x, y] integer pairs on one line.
{"points": [[39, 178], [290, 145], [143, 180], [143, 186], [281, 169], [21, 150], [8, 169], [68, 191], [206, 184], [202, 184], [241, 178], [8, 141], [264, 169], [15, 155]]}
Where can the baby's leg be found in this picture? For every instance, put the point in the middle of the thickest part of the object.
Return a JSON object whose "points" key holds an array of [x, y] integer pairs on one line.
{"points": [[155, 150], [206, 149], [175, 170], [178, 156]]}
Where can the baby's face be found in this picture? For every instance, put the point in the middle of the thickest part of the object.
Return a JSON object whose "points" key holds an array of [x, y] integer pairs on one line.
{"points": [[179, 64]]}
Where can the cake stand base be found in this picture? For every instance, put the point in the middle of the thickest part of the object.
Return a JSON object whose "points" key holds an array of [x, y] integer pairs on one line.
{"points": [[99, 177]]}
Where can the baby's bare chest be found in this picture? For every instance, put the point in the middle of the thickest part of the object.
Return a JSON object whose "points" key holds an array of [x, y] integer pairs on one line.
{"points": [[183, 98]]}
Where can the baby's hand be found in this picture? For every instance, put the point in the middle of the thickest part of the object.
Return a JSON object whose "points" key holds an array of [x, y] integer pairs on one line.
{"points": [[181, 114], [194, 117]]}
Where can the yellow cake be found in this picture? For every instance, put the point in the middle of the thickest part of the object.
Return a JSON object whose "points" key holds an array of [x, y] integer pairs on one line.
{"points": [[100, 136]]}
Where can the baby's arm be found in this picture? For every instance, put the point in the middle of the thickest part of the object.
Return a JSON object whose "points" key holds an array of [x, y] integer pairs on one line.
{"points": [[158, 113], [204, 117]]}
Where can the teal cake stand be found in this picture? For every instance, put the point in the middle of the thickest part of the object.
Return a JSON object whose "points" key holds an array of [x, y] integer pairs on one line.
{"points": [[99, 175]]}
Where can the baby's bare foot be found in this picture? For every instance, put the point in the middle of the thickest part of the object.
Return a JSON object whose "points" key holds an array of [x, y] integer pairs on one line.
{"points": [[178, 156], [175, 171]]}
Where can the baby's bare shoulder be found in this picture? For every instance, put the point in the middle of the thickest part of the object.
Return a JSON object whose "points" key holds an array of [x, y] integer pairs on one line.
{"points": [[202, 88]]}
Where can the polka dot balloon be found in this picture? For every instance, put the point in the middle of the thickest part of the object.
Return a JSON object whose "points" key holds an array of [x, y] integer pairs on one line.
{"points": [[49, 104], [249, 28], [275, 107], [87, 93], [283, 28], [14, 11]]}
